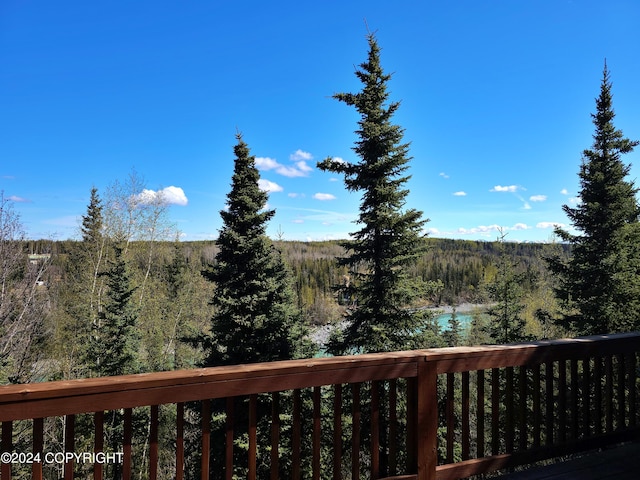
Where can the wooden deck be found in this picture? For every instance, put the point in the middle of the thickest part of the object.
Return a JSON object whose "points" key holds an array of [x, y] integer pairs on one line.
{"points": [[619, 463]]}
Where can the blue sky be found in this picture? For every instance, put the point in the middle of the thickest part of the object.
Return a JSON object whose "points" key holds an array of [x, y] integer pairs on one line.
{"points": [[496, 98]]}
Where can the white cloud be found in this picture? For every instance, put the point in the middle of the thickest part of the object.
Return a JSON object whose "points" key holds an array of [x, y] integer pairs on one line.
{"points": [[526, 206], [324, 196], [460, 194], [300, 155], [296, 195], [550, 225], [520, 226], [15, 198], [297, 220], [300, 169], [500, 188], [169, 195], [538, 198], [564, 191], [269, 186], [444, 175], [338, 160], [488, 229]]}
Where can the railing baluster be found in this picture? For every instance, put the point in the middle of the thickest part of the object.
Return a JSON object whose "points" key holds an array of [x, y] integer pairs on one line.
{"points": [[253, 422], [228, 444], [275, 436], [180, 441], [153, 443], [465, 416], [412, 424], [98, 442], [393, 426], [355, 434], [480, 414], [38, 447], [69, 444], [126, 444], [317, 426], [337, 432], [206, 439]]}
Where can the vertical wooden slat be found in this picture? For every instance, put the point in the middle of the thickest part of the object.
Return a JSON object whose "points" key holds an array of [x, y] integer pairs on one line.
{"points": [[153, 443], [317, 426], [180, 441], [466, 431], [337, 432], [126, 444], [253, 422], [537, 412], [355, 434], [228, 444], [297, 434], [427, 421], [575, 395], [275, 436], [522, 415], [450, 418], [206, 439], [509, 418], [7, 446], [69, 444], [393, 427], [375, 429], [597, 395], [480, 414], [495, 411], [562, 400], [549, 399], [38, 446]]}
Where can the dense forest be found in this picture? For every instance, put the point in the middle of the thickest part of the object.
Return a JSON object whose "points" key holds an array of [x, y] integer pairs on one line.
{"points": [[172, 297]]}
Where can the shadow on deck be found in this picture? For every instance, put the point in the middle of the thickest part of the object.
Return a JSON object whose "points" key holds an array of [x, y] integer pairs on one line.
{"points": [[618, 462]]}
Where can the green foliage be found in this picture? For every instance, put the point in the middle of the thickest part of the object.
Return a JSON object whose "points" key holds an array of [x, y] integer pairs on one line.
{"points": [[389, 239], [115, 339], [507, 324], [598, 285], [255, 318]]}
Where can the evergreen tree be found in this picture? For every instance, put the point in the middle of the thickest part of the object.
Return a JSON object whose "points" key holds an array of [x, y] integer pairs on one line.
{"points": [[506, 323], [255, 316], [115, 340], [598, 285], [390, 239]]}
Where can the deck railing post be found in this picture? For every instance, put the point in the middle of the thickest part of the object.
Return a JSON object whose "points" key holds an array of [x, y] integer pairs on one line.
{"points": [[427, 419]]}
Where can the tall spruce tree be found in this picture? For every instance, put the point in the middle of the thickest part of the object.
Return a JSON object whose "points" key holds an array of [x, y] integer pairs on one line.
{"points": [[255, 317], [390, 238], [598, 284], [115, 340]]}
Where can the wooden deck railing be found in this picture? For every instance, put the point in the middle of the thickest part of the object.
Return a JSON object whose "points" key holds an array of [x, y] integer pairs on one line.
{"points": [[440, 413]]}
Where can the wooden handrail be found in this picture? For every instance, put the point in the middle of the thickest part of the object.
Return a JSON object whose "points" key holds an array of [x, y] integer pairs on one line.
{"points": [[424, 369]]}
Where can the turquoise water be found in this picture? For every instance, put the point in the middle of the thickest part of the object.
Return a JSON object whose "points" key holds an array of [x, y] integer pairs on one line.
{"points": [[463, 318]]}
